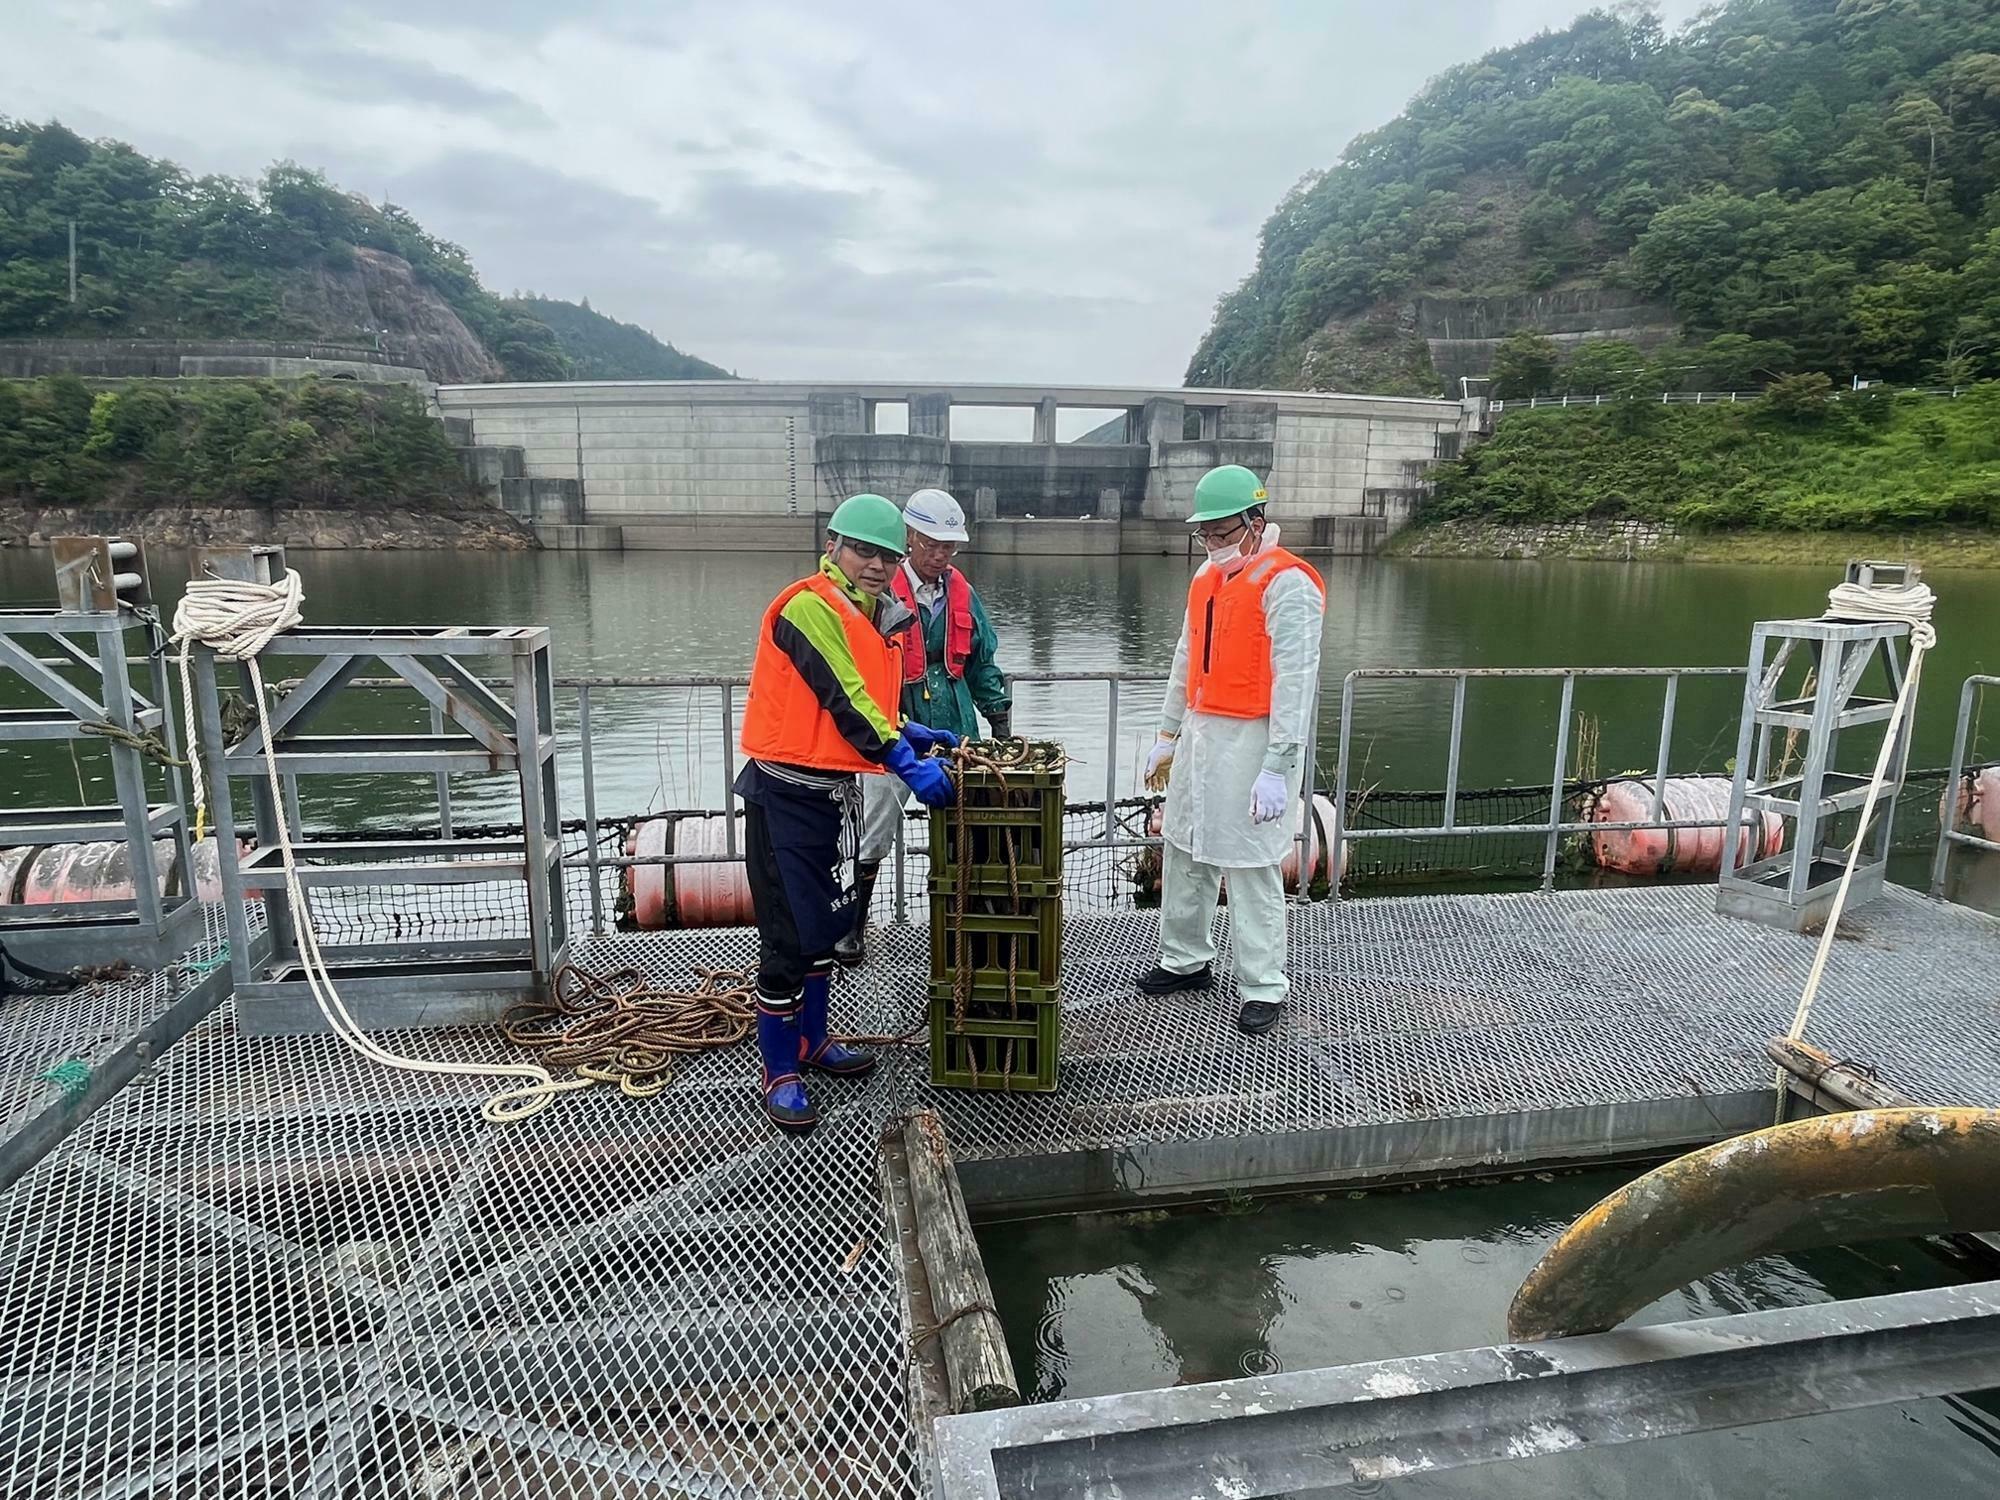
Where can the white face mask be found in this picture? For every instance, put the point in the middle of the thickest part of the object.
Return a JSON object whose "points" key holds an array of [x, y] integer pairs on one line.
{"points": [[1222, 554]]}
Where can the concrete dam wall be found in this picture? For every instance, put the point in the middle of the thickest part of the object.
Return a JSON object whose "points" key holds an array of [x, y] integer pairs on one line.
{"points": [[760, 464]]}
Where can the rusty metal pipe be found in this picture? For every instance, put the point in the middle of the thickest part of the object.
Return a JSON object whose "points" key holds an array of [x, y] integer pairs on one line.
{"points": [[1870, 1175]]}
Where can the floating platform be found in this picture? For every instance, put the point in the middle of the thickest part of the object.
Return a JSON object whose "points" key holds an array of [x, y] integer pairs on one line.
{"points": [[275, 1269]]}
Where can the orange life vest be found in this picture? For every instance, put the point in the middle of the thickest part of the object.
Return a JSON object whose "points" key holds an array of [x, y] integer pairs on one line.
{"points": [[783, 720], [1229, 650], [957, 625]]}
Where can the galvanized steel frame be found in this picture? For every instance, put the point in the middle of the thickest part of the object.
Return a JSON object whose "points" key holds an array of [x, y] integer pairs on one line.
{"points": [[1842, 651], [1949, 833], [151, 927], [420, 982], [1363, 1424]]}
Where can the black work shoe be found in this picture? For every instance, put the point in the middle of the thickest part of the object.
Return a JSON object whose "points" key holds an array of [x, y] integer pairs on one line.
{"points": [[1159, 981], [1258, 1017]]}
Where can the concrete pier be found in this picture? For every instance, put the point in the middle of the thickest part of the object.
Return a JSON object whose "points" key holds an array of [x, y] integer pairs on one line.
{"points": [[760, 464]]}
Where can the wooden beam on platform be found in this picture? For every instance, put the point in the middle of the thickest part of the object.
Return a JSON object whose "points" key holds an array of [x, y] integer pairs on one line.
{"points": [[967, 1329]]}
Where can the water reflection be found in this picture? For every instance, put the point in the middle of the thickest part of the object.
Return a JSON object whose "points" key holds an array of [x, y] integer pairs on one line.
{"points": [[685, 613], [1108, 1303]]}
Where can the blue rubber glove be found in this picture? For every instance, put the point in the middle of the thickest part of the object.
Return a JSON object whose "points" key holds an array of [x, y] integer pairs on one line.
{"points": [[924, 739], [921, 774]]}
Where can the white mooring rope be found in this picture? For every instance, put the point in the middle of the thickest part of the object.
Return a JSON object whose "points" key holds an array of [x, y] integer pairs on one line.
{"points": [[237, 621], [1910, 604]]}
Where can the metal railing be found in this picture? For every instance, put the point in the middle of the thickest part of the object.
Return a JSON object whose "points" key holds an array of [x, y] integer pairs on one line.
{"points": [[1555, 827], [1949, 833], [596, 862], [1502, 405]]}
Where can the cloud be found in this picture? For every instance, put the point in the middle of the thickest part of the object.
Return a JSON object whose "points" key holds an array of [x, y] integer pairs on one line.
{"points": [[904, 191]]}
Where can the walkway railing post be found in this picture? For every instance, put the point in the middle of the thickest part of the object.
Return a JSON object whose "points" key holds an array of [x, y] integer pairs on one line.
{"points": [[589, 812], [1338, 837], [1111, 761], [1948, 811], [1556, 790]]}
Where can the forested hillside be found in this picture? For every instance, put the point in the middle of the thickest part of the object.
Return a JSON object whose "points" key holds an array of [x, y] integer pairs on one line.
{"points": [[601, 348], [164, 254], [1815, 183]]}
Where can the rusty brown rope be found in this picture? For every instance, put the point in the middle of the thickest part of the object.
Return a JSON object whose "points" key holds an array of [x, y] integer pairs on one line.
{"points": [[620, 1028]]}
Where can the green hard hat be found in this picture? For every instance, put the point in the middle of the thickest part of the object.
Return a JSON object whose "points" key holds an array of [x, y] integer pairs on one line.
{"points": [[1227, 491], [870, 518]]}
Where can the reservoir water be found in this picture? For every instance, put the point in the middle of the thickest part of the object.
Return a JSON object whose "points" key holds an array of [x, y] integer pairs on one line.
{"points": [[686, 613], [1122, 1302]]}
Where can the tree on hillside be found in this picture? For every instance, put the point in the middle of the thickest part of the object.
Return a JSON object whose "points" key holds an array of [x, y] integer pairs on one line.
{"points": [[1603, 367], [1525, 365], [1797, 173]]}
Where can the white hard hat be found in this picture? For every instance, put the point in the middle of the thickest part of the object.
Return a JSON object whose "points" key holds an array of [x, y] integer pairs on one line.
{"points": [[936, 515]]}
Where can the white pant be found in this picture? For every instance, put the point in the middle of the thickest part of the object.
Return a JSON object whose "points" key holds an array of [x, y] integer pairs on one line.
{"points": [[882, 801], [1256, 922]]}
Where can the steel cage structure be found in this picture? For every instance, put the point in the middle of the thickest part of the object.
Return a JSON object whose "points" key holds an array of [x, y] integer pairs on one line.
{"points": [[86, 691], [393, 981]]}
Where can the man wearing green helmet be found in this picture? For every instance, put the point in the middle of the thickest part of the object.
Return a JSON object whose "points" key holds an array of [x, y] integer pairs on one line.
{"points": [[822, 709], [1231, 747]]}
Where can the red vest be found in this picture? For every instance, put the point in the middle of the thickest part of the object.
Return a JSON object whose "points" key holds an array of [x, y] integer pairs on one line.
{"points": [[957, 625], [783, 720], [1229, 650]]}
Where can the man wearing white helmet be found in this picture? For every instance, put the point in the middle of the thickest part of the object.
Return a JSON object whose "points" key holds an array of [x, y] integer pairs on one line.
{"points": [[949, 670]]}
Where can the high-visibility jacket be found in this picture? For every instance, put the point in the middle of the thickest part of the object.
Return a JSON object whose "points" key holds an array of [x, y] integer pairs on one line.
{"points": [[957, 625], [1229, 649], [841, 717]]}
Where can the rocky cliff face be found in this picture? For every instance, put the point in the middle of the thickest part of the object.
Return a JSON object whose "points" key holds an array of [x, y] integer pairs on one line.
{"points": [[382, 292], [370, 528]]}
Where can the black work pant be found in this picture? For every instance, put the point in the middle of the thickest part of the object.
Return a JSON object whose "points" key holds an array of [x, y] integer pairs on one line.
{"points": [[782, 959]]}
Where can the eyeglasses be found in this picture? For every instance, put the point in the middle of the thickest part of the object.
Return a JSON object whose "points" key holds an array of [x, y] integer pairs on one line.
{"points": [[921, 543], [869, 552], [1211, 534]]}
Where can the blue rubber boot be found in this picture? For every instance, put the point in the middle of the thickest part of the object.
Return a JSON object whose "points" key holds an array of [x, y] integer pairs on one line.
{"points": [[778, 1044], [816, 1048]]}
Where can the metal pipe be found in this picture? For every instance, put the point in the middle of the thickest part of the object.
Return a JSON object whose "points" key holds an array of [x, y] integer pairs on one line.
{"points": [[729, 767], [1948, 832], [444, 777], [1556, 791], [1111, 758], [589, 812], [1666, 744], [1338, 836], [1453, 751]]}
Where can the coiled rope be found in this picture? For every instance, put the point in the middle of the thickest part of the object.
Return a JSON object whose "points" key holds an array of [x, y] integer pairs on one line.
{"points": [[237, 621], [1909, 604]]}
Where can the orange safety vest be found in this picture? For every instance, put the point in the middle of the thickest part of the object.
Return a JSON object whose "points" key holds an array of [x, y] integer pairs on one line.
{"points": [[783, 720], [957, 625], [1229, 650]]}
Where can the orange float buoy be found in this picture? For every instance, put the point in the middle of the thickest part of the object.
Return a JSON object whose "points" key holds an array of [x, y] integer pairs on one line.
{"points": [[648, 883], [53, 874], [1147, 871], [716, 892], [1676, 850], [705, 893], [1977, 801]]}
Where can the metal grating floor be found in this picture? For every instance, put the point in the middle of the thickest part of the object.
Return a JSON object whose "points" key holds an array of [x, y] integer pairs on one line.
{"points": [[274, 1269]]}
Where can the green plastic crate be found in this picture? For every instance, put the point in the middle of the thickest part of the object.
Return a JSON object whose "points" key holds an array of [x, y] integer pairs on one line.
{"points": [[994, 1053], [1034, 829], [1033, 939]]}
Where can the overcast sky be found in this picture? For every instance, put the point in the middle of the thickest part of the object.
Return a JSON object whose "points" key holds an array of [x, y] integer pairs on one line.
{"points": [[792, 188]]}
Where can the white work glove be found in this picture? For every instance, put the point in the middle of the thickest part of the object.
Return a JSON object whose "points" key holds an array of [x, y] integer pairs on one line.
{"points": [[1159, 763], [1267, 798]]}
